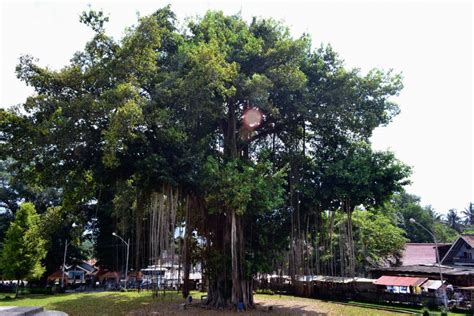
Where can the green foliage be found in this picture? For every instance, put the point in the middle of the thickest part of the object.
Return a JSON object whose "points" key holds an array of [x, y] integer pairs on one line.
{"points": [[468, 213], [444, 233], [425, 312], [123, 123], [408, 206], [238, 186], [24, 247], [366, 177], [377, 238], [164, 107], [453, 220]]}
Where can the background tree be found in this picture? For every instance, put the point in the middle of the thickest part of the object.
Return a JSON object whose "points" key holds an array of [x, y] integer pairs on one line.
{"points": [[453, 220], [379, 241], [23, 247], [408, 206], [468, 214]]}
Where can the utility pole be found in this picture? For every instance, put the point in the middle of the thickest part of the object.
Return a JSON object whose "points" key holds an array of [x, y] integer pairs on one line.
{"points": [[413, 221], [74, 225], [128, 251]]}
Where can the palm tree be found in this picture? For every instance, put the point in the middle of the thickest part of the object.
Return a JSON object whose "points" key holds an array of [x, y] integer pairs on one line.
{"points": [[435, 216], [454, 220], [469, 214]]}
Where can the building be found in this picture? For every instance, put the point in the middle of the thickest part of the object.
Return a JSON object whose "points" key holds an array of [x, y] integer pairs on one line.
{"points": [[461, 252], [419, 260], [81, 273], [168, 275], [396, 284], [422, 253], [108, 279]]}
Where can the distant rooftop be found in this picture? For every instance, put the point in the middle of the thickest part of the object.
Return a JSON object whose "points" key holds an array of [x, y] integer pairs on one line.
{"points": [[421, 253], [469, 239]]}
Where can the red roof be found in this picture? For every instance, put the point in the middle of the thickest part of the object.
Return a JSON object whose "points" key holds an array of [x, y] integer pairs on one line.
{"points": [[469, 239], [57, 275], [418, 253], [399, 281], [109, 275]]}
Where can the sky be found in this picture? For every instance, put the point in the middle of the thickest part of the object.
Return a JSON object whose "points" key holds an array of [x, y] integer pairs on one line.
{"points": [[429, 42]]}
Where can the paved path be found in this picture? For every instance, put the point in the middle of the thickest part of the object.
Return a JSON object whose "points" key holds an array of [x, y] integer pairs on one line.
{"points": [[27, 311], [19, 310]]}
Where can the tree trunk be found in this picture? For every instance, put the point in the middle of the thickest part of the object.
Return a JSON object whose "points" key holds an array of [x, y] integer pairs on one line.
{"points": [[317, 241], [240, 285], [186, 252], [350, 239], [218, 294], [138, 231], [236, 293], [17, 288], [330, 244], [231, 232]]}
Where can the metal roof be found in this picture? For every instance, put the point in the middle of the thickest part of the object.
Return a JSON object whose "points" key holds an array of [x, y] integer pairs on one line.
{"points": [[418, 253], [432, 284], [399, 281], [430, 269]]}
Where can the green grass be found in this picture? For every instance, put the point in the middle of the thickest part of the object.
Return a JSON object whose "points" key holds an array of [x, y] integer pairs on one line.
{"points": [[98, 303], [121, 303]]}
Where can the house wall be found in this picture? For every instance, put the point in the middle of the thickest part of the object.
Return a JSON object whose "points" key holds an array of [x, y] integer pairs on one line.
{"points": [[464, 256]]}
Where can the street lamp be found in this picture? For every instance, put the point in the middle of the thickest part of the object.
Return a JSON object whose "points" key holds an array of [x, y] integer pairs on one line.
{"points": [[413, 221], [128, 248], [74, 225]]}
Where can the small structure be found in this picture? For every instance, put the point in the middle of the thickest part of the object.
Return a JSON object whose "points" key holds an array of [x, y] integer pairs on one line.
{"points": [[109, 276], [432, 286], [397, 284], [457, 276], [57, 276], [169, 275], [331, 286], [135, 276], [108, 279], [461, 252], [80, 273]]}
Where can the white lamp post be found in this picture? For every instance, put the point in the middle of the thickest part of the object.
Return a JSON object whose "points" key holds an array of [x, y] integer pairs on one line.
{"points": [[128, 248], [74, 225], [413, 221]]}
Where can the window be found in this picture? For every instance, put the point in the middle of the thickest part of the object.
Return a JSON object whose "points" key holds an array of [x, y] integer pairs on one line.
{"points": [[467, 255]]}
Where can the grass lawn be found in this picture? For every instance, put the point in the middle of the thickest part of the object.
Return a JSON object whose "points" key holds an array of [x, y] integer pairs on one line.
{"points": [[133, 303], [97, 303]]}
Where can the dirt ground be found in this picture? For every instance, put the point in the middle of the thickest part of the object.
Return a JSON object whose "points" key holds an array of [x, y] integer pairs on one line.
{"points": [[265, 307]]}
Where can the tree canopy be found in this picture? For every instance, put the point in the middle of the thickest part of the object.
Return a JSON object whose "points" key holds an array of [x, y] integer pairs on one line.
{"points": [[233, 128], [23, 247]]}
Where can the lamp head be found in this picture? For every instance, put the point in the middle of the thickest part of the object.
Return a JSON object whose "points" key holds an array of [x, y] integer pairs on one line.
{"points": [[74, 225], [412, 220], [114, 234]]}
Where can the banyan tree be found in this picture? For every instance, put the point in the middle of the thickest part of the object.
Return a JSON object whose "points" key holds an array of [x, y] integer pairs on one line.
{"points": [[235, 133]]}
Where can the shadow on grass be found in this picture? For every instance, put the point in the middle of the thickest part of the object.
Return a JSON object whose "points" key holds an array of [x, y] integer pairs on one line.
{"points": [[259, 310], [94, 303], [293, 310]]}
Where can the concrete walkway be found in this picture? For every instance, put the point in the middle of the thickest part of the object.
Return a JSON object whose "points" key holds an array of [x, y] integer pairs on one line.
{"points": [[27, 311]]}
